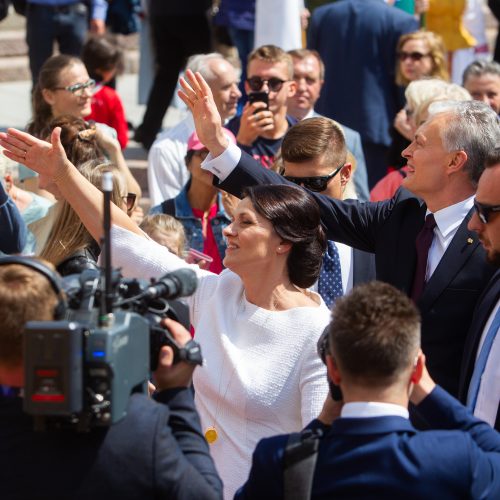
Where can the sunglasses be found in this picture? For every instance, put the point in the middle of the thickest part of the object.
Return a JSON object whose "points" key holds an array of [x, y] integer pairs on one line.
{"points": [[316, 184], [78, 89], [414, 56], [129, 199], [256, 83], [484, 211]]}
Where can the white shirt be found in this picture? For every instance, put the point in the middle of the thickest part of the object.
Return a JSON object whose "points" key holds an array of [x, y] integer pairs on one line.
{"points": [[167, 172], [448, 221], [362, 409], [488, 397]]}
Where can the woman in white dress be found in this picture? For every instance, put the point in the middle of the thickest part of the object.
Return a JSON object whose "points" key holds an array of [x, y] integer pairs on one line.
{"points": [[256, 322]]}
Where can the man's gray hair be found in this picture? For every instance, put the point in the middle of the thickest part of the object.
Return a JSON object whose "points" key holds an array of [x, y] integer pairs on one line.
{"points": [[480, 68], [473, 128], [200, 63]]}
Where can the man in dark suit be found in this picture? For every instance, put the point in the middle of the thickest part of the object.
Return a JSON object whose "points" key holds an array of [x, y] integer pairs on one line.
{"points": [[445, 271], [357, 40], [372, 450], [314, 156], [480, 376], [156, 450]]}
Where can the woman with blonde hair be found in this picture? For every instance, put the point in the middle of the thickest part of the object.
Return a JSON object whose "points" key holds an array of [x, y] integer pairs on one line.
{"points": [[69, 246]]}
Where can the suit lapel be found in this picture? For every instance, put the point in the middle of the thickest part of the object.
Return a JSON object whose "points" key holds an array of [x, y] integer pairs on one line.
{"points": [[462, 246]]}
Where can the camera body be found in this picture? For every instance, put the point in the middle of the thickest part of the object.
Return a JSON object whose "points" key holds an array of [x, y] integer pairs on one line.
{"points": [[81, 370]]}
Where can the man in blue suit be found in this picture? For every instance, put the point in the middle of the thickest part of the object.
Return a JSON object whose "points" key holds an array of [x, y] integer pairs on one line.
{"points": [[372, 450], [480, 376], [309, 76], [357, 41]]}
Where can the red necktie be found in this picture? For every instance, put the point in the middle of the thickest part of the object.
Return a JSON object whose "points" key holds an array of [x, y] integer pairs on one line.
{"points": [[422, 243]]}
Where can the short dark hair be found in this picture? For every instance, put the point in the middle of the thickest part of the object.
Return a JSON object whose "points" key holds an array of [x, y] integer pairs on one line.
{"points": [[374, 334], [295, 217], [313, 137], [102, 53]]}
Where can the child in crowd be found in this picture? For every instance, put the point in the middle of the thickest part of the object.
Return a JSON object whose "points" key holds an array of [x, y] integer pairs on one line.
{"points": [[104, 60], [167, 231]]}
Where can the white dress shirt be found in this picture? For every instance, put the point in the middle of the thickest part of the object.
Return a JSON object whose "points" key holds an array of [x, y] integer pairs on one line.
{"points": [[167, 171], [362, 409], [488, 398], [448, 221]]}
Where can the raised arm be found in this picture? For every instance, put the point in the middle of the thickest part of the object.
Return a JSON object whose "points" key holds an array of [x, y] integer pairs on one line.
{"points": [[50, 160]]}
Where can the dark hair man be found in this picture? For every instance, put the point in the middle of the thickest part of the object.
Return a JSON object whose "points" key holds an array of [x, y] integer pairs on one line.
{"points": [[420, 237], [157, 450], [480, 375], [309, 77], [372, 450], [260, 129]]}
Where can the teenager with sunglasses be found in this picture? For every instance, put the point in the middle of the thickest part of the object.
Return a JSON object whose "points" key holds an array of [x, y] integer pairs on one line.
{"points": [[314, 156], [262, 126]]}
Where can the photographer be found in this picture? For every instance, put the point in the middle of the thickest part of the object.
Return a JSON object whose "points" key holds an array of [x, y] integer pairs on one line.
{"points": [[156, 451], [372, 450]]}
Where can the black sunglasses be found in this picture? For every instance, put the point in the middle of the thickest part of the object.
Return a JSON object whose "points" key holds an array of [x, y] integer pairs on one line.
{"points": [[316, 184], [414, 56], [129, 199], [484, 211], [274, 84]]}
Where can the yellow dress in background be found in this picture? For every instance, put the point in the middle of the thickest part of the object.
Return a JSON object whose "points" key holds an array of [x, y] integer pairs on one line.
{"points": [[445, 18]]}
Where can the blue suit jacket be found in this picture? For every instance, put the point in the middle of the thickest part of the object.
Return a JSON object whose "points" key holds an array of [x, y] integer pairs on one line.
{"points": [[156, 451], [357, 42], [385, 457], [389, 229], [485, 305]]}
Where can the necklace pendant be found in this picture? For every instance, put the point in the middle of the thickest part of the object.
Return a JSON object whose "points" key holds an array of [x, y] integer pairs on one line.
{"points": [[211, 435]]}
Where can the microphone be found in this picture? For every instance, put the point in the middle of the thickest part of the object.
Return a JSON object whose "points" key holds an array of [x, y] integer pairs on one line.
{"points": [[180, 283]]}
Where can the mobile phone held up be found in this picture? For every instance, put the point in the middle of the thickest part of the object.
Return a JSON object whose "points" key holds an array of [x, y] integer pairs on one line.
{"points": [[259, 97], [195, 256]]}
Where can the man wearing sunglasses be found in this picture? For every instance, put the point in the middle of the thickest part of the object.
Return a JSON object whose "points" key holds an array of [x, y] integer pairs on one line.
{"points": [[480, 376], [262, 126], [439, 263], [314, 156]]}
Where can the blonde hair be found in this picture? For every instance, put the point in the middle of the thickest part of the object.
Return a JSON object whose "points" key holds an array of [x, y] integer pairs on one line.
{"points": [[165, 223], [437, 53], [68, 234], [271, 54]]}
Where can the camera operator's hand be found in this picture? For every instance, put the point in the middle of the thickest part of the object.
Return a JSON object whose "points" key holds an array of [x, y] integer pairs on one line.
{"points": [[331, 410], [168, 375], [423, 383]]}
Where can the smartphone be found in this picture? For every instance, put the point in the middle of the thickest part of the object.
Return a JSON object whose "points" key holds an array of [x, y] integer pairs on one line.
{"points": [[259, 97], [194, 256]]}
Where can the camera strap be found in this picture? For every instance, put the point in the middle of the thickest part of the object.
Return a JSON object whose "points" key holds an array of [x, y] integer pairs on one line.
{"points": [[299, 460]]}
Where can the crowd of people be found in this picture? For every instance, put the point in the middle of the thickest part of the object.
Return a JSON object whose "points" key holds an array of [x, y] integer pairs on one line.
{"points": [[339, 205]]}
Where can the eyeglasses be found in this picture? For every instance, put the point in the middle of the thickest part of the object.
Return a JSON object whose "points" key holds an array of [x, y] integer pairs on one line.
{"points": [[129, 199], [316, 184], [484, 211], [414, 56], [256, 83], [78, 88]]}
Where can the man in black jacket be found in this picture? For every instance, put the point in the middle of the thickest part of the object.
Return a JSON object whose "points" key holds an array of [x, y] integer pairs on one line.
{"points": [[440, 264], [156, 451]]}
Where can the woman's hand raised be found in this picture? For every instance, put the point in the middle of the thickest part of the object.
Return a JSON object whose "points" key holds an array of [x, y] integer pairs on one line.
{"points": [[45, 158], [198, 97]]}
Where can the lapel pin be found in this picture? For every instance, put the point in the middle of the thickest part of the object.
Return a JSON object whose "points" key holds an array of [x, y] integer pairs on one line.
{"points": [[470, 241]]}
